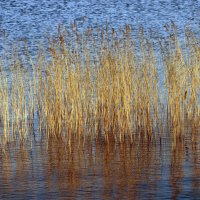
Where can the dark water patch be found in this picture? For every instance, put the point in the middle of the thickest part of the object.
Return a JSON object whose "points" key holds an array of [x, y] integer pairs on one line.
{"points": [[142, 170]]}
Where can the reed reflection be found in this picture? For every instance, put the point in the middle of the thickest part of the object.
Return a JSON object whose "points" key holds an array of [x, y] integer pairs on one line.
{"points": [[99, 169]]}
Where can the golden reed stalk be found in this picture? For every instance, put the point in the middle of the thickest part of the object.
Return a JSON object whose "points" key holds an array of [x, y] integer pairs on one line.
{"points": [[101, 83]]}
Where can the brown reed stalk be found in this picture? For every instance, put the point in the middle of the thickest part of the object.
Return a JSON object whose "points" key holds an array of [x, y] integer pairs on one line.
{"points": [[103, 84]]}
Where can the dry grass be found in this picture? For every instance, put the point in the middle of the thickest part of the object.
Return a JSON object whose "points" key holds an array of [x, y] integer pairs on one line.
{"points": [[101, 83]]}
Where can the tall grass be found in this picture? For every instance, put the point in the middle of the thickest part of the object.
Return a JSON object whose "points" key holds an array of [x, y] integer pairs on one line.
{"points": [[102, 83]]}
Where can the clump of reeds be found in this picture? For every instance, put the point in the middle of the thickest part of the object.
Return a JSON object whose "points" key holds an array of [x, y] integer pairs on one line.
{"points": [[182, 78], [101, 83]]}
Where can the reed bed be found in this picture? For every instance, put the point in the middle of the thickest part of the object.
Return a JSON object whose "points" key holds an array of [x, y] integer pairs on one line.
{"points": [[101, 83]]}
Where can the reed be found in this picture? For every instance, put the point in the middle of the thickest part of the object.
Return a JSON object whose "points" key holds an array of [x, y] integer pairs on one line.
{"points": [[101, 83]]}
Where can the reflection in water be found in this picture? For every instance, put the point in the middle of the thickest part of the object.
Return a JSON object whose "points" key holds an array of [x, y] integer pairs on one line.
{"points": [[176, 170], [143, 169]]}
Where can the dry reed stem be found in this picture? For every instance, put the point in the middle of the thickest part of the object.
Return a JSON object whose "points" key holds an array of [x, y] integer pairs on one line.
{"points": [[107, 87]]}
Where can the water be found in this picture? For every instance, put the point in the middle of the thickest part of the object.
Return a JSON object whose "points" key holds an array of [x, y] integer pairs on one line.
{"points": [[33, 20], [143, 170]]}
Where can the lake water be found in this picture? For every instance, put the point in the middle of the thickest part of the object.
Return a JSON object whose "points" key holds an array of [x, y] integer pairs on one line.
{"points": [[33, 20], [143, 170], [156, 169]]}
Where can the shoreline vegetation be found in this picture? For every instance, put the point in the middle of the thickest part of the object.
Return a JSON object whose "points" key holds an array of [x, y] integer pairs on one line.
{"points": [[102, 84]]}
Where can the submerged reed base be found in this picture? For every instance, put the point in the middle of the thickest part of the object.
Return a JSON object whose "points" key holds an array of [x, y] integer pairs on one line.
{"points": [[101, 83]]}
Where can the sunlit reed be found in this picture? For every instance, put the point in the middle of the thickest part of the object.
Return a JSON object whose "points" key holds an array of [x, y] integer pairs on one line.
{"points": [[101, 83]]}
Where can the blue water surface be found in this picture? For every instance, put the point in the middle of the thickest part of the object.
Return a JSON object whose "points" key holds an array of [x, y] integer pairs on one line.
{"points": [[33, 20]]}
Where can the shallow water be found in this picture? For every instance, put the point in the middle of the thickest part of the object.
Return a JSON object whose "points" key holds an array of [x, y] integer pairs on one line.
{"points": [[144, 170]]}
